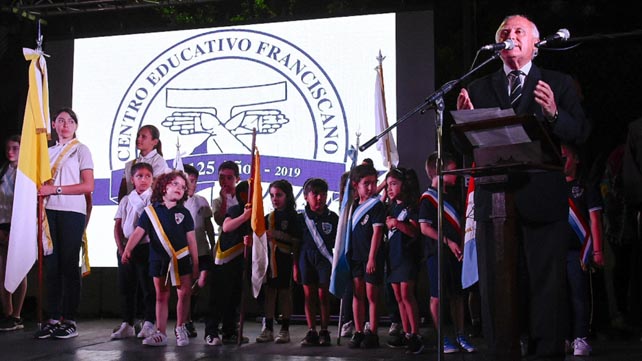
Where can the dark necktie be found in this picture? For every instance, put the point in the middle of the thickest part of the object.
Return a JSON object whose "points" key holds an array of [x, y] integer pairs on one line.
{"points": [[515, 87]]}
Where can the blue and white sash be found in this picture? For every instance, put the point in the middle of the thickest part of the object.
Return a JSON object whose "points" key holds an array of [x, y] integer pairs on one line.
{"points": [[318, 240], [362, 209]]}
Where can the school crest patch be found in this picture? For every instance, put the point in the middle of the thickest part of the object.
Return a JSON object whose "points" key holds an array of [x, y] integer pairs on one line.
{"points": [[326, 227], [178, 217]]}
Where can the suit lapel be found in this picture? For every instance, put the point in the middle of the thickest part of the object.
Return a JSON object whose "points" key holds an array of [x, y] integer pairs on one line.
{"points": [[500, 87], [527, 104]]}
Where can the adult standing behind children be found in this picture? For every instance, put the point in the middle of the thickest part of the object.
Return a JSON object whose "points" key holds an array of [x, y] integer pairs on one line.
{"points": [[150, 147], [134, 274], [201, 212], [313, 261], [68, 207], [540, 197], [284, 234], [170, 228], [11, 302]]}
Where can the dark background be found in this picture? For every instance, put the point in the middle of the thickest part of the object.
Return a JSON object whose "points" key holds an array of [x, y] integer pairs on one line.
{"points": [[606, 70]]}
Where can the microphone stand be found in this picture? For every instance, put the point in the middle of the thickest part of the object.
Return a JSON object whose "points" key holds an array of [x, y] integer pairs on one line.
{"points": [[436, 102]]}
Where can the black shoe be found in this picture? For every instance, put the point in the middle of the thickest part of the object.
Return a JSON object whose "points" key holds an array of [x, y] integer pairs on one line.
{"points": [[10, 323], [191, 330], [324, 338], [311, 338], [46, 330], [415, 345], [370, 340], [65, 331], [398, 341], [232, 339], [355, 341]]}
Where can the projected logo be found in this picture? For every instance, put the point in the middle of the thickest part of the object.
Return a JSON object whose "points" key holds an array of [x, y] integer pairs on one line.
{"points": [[211, 90]]}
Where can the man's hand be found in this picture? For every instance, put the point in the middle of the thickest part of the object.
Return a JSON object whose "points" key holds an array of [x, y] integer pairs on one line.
{"points": [[463, 100], [545, 97]]}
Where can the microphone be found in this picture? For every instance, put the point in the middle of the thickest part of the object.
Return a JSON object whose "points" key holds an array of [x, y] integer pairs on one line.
{"points": [[561, 34], [506, 45]]}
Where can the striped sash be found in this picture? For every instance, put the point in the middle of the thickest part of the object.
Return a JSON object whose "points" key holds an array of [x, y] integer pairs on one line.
{"points": [[583, 231], [172, 270], [451, 214], [223, 257]]}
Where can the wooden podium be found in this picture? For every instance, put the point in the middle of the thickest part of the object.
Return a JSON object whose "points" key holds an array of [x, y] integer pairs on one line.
{"points": [[496, 165]]}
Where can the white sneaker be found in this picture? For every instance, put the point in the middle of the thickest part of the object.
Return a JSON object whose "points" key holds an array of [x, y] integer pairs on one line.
{"points": [[395, 329], [366, 326], [265, 336], [182, 338], [124, 331], [581, 347], [147, 330], [282, 337], [156, 339], [347, 329]]}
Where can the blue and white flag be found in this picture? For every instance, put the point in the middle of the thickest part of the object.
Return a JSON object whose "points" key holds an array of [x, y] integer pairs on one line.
{"points": [[341, 273], [469, 272]]}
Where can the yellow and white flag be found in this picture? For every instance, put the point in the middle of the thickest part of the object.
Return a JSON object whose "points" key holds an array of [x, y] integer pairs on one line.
{"points": [[259, 237], [386, 145], [33, 171]]}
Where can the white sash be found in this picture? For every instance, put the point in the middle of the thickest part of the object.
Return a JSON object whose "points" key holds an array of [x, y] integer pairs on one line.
{"points": [[135, 205], [318, 240], [403, 215]]}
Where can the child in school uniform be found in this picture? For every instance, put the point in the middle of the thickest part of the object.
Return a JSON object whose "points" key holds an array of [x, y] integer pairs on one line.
{"points": [[170, 228], [404, 253], [227, 275], [452, 251], [201, 212], [366, 258], [136, 272], [284, 235], [314, 259]]}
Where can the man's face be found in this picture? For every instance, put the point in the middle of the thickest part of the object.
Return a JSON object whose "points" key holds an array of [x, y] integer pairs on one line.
{"points": [[521, 31]]}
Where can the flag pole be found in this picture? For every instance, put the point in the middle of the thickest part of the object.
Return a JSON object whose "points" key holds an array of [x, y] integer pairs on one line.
{"points": [[41, 211], [380, 59], [244, 285]]}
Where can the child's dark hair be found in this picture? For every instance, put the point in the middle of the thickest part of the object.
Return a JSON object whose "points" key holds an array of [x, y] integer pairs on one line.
{"points": [[286, 187], [155, 133], [431, 163], [228, 164], [368, 161], [241, 192], [361, 171], [161, 182], [140, 165], [409, 185], [190, 170], [14, 138], [315, 185], [342, 185]]}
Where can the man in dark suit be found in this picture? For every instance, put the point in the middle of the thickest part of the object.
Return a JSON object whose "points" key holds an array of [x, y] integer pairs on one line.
{"points": [[540, 211]]}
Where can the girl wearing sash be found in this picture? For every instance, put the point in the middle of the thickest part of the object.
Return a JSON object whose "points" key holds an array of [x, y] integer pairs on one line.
{"points": [[404, 252], [585, 247], [366, 258], [150, 147], [452, 252], [314, 263], [134, 274], [11, 302], [68, 207], [284, 234], [172, 244]]}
